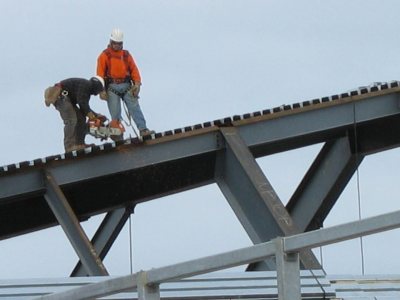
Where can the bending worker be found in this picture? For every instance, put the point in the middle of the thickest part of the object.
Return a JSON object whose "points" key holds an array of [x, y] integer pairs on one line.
{"points": [[123, 81], [71, 98]]}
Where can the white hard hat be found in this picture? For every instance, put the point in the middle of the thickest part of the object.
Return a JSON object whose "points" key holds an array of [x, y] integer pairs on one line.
{"points": [[99, 78], [117, 35]]}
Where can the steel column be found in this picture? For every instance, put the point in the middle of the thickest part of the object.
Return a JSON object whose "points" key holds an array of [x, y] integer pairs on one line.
{"points": [[106, 235], [287, 272], [72, 228], [252, 197], [147, 291]]}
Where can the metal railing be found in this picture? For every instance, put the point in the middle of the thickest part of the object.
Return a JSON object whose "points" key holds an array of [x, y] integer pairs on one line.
{"points": [[285, 249]]}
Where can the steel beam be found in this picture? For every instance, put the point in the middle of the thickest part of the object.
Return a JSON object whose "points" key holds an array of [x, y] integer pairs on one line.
{"points": [[252, 197], [96, 290], [139, 157], [322, 185], [124, 159], [280, 247], [343, 232], [163, 274], [189, 156], [317, 121], [105, 235], [25, 183], [262, 135], [72, 228]]}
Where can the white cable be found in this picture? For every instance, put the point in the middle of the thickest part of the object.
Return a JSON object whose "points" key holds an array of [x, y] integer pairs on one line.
{"points": [[129, 124], [130, 245], [358, 188]]}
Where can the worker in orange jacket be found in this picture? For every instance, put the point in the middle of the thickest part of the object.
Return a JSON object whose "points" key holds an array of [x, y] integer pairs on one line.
{"points": [[123, 81]]}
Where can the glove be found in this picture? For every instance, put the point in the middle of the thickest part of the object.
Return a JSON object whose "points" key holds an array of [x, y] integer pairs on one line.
{"points": [[103, 95], [101, 118], [91, 116], [96, 120], [135, 89]]}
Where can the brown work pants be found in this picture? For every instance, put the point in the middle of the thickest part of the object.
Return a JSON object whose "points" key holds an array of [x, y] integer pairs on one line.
{"points": [[75, 128]]}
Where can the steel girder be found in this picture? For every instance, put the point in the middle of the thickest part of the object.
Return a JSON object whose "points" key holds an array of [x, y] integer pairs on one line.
{"points": [[323, 184], [128, 174], [263, 135], [252, 197], [105, 236], [72, 228]]}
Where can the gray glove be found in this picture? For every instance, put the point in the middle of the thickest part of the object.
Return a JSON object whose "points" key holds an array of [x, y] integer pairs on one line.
{"points": [[103, 95], [135, 89]]}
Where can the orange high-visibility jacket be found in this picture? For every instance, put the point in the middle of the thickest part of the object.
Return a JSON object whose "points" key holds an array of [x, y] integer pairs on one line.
{"points": [[119, 64]]}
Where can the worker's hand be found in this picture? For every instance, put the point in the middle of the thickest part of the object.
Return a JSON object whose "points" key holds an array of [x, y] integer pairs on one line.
{"points": [[103, 95], [135, 89], [91, 116], [101, 118]]}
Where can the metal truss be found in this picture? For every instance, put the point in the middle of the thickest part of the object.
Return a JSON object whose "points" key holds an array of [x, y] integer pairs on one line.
{"points": [[69, 188]]}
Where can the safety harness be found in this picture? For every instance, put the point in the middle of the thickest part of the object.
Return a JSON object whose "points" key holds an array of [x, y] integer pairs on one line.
{"points": [[111, 54]]}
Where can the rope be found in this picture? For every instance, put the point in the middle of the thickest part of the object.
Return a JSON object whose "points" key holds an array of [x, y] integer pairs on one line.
{"points": [[359, 217], [319, 283], [358, 187], [316, 278], [359, 206], [321, 257], [129, 124], [130, 245]]}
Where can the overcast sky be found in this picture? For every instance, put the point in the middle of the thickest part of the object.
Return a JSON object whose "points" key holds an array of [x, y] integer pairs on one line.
{"points": [[199, 61]]}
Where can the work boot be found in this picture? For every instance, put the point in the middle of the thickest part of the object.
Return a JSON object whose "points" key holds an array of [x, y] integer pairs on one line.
{"points": [[146, 131], [117, 125], [117, 138]]}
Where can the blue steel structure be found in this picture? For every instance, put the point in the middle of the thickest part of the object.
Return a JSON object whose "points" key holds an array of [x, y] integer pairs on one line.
{"points": [[68, 188]]}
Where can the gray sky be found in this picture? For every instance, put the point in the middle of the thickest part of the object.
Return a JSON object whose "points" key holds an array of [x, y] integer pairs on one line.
{"points": [[200, 61]]}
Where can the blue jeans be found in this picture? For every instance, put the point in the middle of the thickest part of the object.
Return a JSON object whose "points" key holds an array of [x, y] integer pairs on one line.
{"points": [[120, 91]]}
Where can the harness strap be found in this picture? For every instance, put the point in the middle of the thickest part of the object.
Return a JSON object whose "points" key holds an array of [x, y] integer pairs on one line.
{"points": [[120, 94], [109, 55]]}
